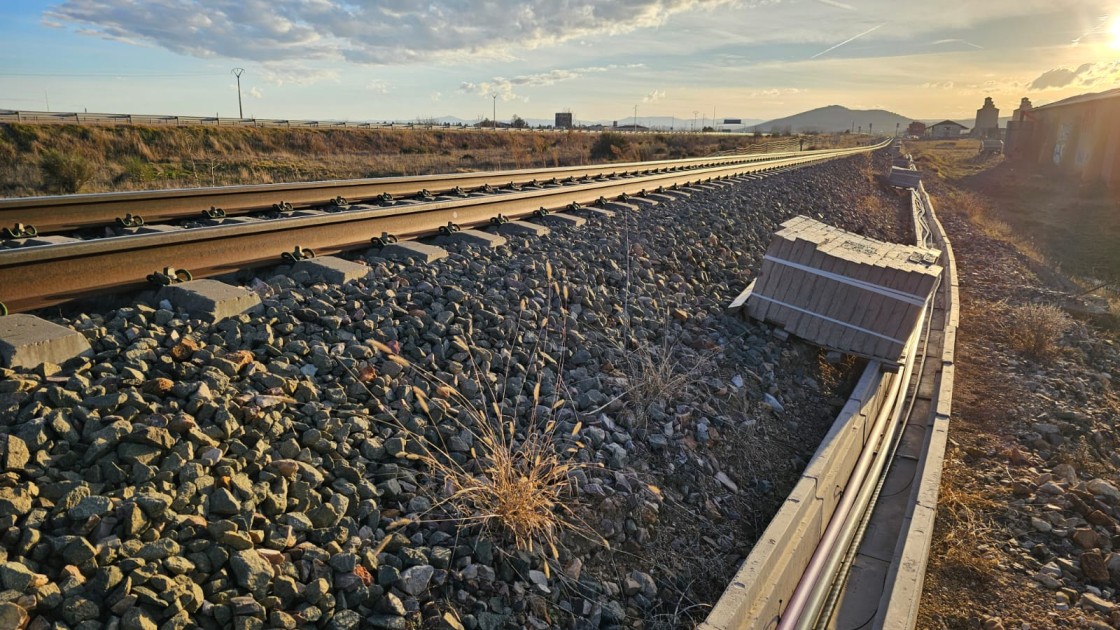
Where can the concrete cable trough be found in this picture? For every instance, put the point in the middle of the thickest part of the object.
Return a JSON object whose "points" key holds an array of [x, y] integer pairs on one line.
{"points": [[848, 549]]}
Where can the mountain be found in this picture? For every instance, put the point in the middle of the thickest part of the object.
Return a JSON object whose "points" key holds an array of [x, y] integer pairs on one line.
{"points": [[653, 122], [835, 118]]}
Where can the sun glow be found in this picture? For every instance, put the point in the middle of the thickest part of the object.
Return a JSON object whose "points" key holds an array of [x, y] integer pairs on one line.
{"points": [[1114, 32]]}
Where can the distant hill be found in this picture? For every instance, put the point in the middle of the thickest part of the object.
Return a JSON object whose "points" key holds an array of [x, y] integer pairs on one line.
{"points": [[653, 122], [836, 118]]}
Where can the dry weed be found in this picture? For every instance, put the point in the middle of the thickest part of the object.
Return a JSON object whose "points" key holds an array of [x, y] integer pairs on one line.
{"points": [[964, 519], [492, 468], [656, 374], [1035, 329]]}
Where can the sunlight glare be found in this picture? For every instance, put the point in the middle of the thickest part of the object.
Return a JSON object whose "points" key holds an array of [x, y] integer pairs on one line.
{"points": [[1114, 32]]}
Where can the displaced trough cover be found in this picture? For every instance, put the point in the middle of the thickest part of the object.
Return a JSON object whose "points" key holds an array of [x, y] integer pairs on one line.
{"points": [[842, 291], [904, 177]]}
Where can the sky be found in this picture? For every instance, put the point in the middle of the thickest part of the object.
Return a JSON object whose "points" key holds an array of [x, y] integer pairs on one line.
{"points": [[600, 59]]}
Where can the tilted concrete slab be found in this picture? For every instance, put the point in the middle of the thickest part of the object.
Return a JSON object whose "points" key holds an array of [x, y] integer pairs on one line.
{"points": [[523, 228], [662, 197], [332, 269], [27, 341], [209, 300], [420, 252], [563, 220], [473, 237]]}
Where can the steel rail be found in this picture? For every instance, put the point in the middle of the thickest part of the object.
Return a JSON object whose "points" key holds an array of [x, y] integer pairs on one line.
{"points": [[45, 275], [61, 213]]}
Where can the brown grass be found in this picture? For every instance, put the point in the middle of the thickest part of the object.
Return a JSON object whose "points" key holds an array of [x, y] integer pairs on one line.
{"points": [[517, 480], [657, 373], [138, 158], [1036, 329]]}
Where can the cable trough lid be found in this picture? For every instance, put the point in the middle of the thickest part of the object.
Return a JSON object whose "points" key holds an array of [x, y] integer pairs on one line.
{"points": [[841, 290]]}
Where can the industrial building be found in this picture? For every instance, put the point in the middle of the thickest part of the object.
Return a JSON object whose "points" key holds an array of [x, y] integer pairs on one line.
{"points": [[563, 120], [1079, 135], [987, 120]]}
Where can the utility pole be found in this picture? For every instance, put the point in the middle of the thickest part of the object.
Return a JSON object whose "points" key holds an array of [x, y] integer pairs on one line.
{"points": [[694, 114], [635, 117], [237, 73], [494, 119]]}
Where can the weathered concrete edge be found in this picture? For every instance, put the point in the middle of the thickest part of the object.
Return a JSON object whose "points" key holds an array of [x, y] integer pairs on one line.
{"points": [[906, 577], [758, 593]]}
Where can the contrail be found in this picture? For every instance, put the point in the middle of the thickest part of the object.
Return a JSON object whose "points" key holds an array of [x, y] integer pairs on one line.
{"points": [[850, 40]]}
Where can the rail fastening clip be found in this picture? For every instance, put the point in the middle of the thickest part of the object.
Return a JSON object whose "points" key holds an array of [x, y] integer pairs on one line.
{"points": [[383, 240], [297, 254], [20, 231], [169, 276], [130, 221]]}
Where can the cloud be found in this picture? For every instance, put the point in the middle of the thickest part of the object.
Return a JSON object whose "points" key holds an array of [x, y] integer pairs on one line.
{"points": [[256, 93], [938, 85], [505, 88], [385, 32], [377, 87], [294, 74], [436, 96], [774, 92], [1085, 75], [942, 42], [838, 5], [850, 40], [653, 96]]}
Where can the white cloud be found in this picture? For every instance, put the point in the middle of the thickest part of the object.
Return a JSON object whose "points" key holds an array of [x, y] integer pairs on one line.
{"points": [[653, 96], [436, 96], [256, 93], [505, 88], [294, 74], [377, 87], [1086, 75], [383, 32]]}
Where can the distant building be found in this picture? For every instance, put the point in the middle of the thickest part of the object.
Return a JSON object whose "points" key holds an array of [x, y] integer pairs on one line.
{"points": [[987, 120], [563, 120], [1079, 135], [1018, 127], [946, 129], [916, 128]]}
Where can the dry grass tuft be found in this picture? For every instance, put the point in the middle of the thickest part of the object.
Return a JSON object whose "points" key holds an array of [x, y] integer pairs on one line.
{"points": [[964, 518], [1035, 329], [656, 374], [516, 480], [504, 471]]}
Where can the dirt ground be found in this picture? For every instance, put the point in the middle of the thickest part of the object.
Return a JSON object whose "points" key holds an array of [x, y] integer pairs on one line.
{"points": [[1032, 433]]}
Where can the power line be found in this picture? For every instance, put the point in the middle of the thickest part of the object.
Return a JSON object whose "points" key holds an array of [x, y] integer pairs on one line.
{"points": [[107, 74]]}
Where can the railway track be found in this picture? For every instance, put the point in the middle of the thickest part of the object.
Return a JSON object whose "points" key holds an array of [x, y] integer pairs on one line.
{"points": [[848, 549], [40, 267], [57, 214]]}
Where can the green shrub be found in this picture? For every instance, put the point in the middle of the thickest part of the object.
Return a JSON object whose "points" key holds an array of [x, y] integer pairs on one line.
{"points": [[65, 172], [609, 146]]}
